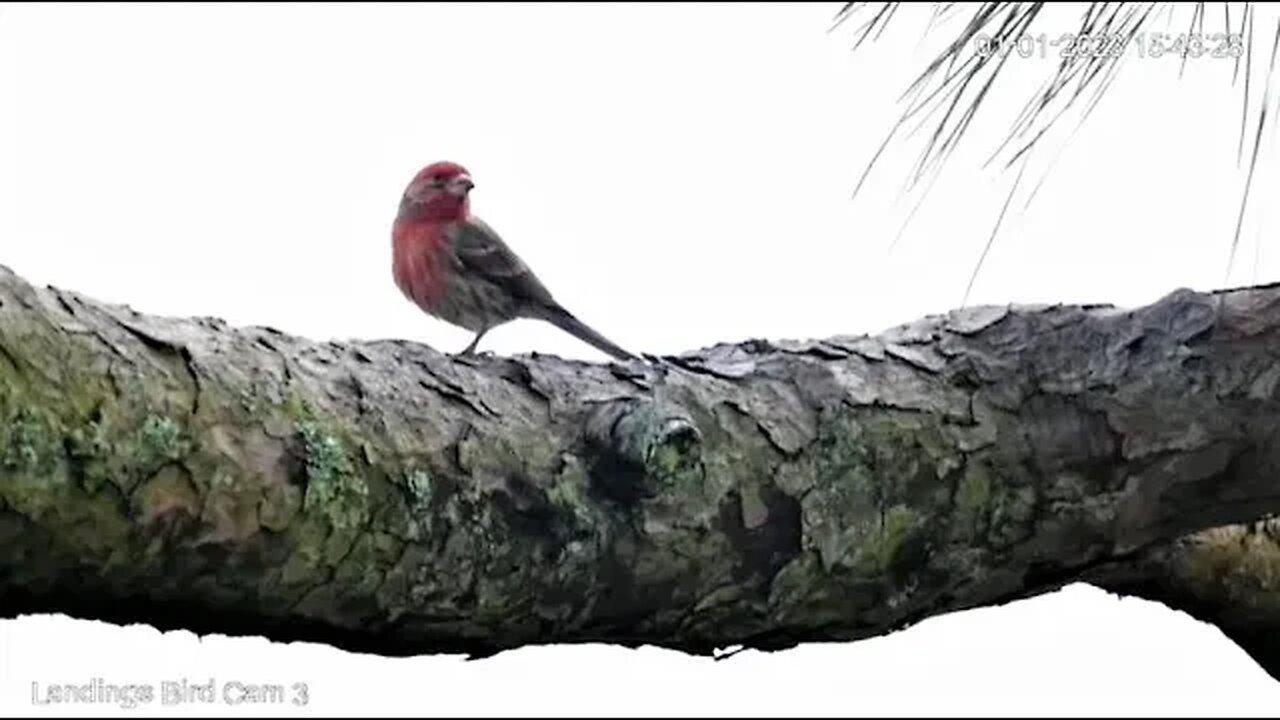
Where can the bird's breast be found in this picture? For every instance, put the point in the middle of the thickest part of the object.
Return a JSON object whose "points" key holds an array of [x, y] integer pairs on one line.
{"points": [[417, 262]]}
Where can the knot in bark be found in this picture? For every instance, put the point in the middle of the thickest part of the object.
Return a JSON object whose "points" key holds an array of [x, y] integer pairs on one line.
{"points": [[644, 448]]}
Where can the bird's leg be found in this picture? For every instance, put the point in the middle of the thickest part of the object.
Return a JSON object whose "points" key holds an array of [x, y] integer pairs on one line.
{"points": [[471, 349]]}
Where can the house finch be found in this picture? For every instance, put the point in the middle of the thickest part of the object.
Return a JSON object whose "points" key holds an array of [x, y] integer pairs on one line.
{"points": [[455, 267]]}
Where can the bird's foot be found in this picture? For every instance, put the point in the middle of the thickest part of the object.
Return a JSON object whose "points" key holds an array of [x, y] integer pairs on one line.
{"points": [[470, 352], [471, 349]]}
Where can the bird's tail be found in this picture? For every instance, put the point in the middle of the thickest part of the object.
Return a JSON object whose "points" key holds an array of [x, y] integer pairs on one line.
{"points": [[565, 320]]}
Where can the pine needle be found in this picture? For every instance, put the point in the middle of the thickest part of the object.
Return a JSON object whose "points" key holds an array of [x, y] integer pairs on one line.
{"points": [[944, 99]]}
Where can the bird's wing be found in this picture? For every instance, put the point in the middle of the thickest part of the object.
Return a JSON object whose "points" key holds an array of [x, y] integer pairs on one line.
{"points": [[481, 253]]}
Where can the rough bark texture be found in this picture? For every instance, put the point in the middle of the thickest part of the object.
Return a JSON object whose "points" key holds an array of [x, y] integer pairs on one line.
{"points": [[381, 496]]}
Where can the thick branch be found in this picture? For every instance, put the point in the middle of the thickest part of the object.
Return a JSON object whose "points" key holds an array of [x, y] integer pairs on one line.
{"points": [[384, 497], [1227, 576]]}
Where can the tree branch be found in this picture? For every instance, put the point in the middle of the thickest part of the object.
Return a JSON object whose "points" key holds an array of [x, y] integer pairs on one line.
{"points": [[383, 497], [1227, 576]]}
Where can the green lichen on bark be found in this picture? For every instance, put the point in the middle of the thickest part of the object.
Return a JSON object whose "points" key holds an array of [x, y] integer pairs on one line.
{"points": [[673, 461], [89, 448], [880, 476], [32, 443], [659, 440], [419, 492], [335, 499], [334, 491], [569, 495], [1013, 508], [159, 438], [31, 461], [419, 483], [38, 479]]}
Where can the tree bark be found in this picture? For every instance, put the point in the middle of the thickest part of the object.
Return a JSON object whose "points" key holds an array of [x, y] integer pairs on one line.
{"points": [[384, 497]]}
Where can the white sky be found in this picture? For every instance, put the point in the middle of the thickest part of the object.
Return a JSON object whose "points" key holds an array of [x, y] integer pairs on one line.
{"points": [[678, 175]]}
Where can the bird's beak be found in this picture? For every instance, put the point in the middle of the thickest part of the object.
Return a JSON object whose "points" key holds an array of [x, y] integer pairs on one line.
{"points": [[460, 185]]}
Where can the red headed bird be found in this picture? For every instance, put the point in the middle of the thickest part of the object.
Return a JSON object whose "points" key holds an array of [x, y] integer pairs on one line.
{"points": [[454, 267]]}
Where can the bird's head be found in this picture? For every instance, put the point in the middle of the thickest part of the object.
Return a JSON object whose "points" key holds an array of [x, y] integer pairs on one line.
{"points": [[439, 190]]}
